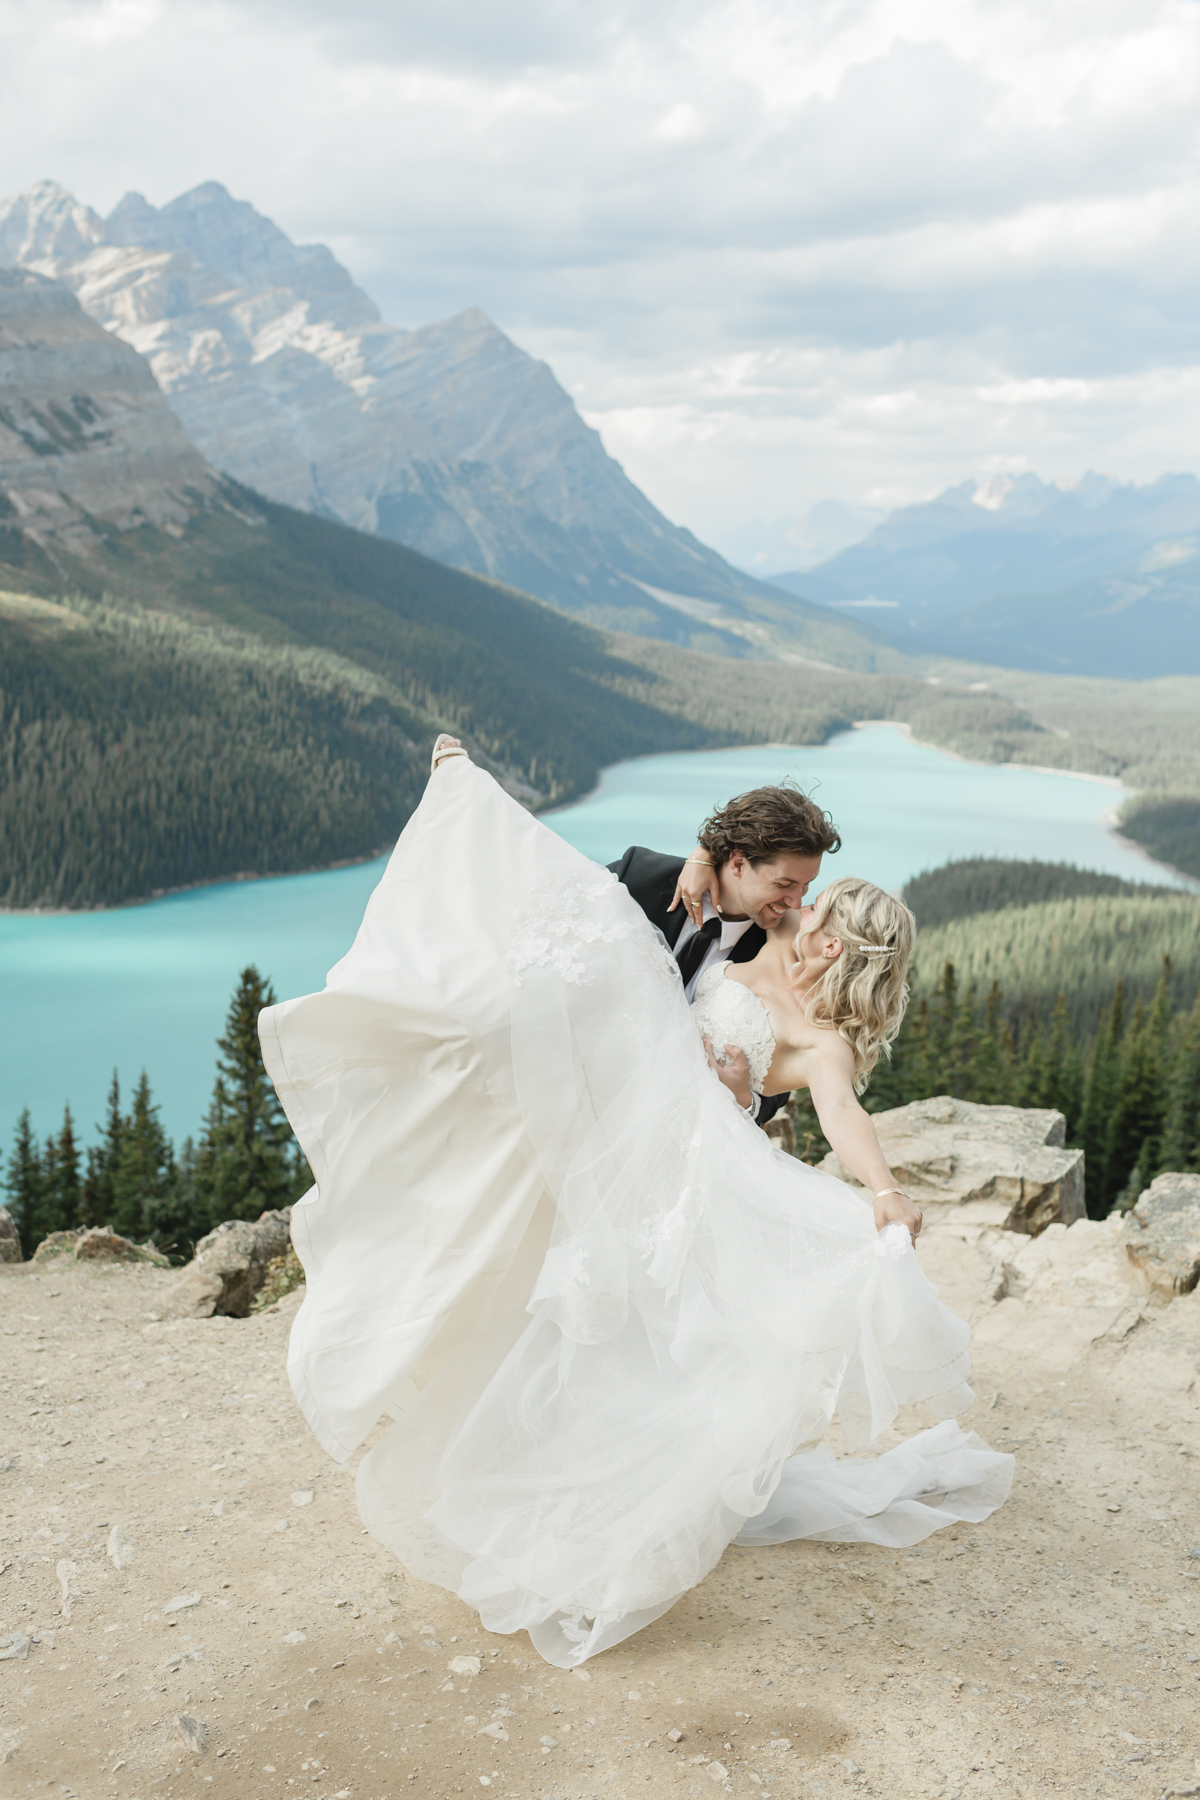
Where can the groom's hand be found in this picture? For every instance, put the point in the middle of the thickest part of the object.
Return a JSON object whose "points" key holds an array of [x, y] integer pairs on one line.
{"points": [[732, 1071]]}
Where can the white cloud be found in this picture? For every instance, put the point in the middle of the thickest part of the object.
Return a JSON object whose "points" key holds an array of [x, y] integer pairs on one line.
{"points": [[778, 251]]}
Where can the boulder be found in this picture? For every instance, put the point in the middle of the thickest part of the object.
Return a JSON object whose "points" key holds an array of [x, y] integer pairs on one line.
{"points": [[10, 1243], [1000, 1166], [1162, 1235], [56, 1243], [229, 1267], [100, 1243], [1059, 1293], [97, 1243]]}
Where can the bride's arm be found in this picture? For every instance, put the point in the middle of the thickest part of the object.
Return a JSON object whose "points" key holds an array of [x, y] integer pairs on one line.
{"points": [[830, 1073], [697, 878]]}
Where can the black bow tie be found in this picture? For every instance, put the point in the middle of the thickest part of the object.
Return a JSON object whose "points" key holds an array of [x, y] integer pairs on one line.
{"points": [[697, 948]]}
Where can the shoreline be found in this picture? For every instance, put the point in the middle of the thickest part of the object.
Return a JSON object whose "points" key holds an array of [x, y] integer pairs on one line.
{"points": [[353, 862]]}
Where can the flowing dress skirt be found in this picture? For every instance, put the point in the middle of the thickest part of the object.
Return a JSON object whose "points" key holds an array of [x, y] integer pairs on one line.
{"points": [[601, 1309]]}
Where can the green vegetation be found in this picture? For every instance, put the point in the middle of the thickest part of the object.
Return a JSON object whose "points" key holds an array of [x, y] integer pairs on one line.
{"points": [[284, 1274], [1168, 826], [1081, 947], [244, 1162], [259, 695], [980, 884], [1129, 1089]]}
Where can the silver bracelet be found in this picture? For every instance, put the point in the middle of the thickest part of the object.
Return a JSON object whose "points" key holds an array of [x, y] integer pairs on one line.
{"points": [[884, 1192]]}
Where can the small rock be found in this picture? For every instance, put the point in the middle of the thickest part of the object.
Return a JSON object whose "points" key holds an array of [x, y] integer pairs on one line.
{"points": [[15, 1647], [676, 1737], [549, 1743], [7, 1463], [192, 1732], [493, 1731], [66, 1572], [294, 1637], [119, 1547], [309, 1704], [717, 1771], [582, 1674], [463, 1665], [634, 1694], [179, 1602], [302, 1497]]}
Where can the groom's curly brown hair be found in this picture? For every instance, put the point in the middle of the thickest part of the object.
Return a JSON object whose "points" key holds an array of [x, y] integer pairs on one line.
{"points": [[769, 822]]}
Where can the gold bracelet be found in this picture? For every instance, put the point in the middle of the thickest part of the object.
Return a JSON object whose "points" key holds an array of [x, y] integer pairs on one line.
{"points": [[699, 862]]}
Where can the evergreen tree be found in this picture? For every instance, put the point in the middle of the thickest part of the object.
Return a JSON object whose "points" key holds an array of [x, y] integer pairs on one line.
{"points": [[943, 1016], [1181, 1128], [1135, 1132], [97, 1200], [23, 1185], [245, 1162], [991, 1071], [144, 1173], [1062, 1082], [961, 1051], [1101, 1094], [58, 1199]]}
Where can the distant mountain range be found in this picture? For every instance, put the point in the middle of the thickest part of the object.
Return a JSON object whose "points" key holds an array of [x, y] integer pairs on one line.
{"points": [[1099, 579], [448, 439]]}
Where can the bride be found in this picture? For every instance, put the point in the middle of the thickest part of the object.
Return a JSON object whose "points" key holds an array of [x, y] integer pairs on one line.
{"points": [[608, 1320]]}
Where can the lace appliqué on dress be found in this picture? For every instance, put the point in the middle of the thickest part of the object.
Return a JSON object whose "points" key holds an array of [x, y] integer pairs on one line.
{"points": [[726, 1012], [552, 931]]}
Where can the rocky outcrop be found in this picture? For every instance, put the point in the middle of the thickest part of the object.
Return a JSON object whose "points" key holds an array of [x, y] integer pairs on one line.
{"points": [[10, 1242], [449, 438], [97, 1243], [1002, 1166], [1162, 1235], [85, 434], [229, 1267]]}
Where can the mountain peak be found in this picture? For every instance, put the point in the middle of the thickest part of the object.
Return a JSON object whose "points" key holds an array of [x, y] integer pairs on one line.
{"points": [[46, 225]]}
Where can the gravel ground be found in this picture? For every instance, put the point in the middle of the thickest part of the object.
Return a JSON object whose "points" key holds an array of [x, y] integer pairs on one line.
{"points": [[205, 1614]]}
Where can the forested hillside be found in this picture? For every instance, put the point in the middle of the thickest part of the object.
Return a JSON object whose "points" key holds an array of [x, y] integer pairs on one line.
{"points": [[981, 884]]}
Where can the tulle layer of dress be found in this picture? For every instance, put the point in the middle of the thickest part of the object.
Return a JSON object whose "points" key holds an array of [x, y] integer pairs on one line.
{"points": [[604, 1313]]}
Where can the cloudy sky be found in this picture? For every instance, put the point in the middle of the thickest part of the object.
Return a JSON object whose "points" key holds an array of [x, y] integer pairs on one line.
{"points": [[782, 252]]}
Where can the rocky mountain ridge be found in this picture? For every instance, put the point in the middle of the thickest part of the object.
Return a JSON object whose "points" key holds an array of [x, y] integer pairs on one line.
{"points": [[448, 438], [84, 430], [1101, 578]]}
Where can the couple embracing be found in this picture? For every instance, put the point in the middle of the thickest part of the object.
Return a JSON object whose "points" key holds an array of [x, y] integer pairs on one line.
{"points": [[609, 1320]]}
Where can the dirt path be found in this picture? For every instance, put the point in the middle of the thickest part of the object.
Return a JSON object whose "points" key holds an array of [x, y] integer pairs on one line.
{"points": [[1053, 1648]]}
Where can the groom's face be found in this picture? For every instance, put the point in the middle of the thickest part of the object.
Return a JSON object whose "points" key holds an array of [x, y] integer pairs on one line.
{"points": [[765, 893]]}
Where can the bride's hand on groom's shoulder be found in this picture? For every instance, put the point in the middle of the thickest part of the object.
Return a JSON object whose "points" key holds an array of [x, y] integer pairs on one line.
{"points": [[697, 878]]}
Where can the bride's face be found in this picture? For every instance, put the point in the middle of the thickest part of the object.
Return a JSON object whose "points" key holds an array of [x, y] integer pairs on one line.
{"points": [[767, 892], [815, 947]]}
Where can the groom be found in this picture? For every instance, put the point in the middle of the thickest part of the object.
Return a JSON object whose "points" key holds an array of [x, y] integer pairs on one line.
{"points": [[766, 847]]}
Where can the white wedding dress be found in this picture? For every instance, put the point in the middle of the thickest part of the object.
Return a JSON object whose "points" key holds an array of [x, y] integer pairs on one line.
{"points": [[601, 1309]]}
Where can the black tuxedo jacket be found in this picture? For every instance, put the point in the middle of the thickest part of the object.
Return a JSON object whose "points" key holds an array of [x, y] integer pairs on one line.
{"points": [[651, 880]]}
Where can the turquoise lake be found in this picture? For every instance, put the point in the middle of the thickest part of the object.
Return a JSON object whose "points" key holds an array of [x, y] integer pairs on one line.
{"points": [[147, 986]]}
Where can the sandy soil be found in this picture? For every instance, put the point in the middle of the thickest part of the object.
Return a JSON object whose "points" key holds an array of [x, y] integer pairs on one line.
{"points": [[1053, 1648]]}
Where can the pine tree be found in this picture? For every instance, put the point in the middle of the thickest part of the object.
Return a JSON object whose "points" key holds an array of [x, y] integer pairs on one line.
{"points": [[58, 1200], [96, 1200], [961, 1051], [1101, 1094], [991, 1069], [1181, 1128], [23, 1184], [1135, 1132], [245, 1162], [145, 1168], [1062, 1080]]}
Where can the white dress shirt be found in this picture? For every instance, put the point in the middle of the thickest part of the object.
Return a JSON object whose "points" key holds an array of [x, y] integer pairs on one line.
{"points": [[731, 931]]}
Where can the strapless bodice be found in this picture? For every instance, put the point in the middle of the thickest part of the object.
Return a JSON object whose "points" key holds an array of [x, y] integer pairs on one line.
{"points": [[726, 1012]]}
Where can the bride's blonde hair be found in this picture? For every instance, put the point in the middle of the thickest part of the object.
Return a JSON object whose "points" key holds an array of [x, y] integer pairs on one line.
{"points": [[864, 993]]}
